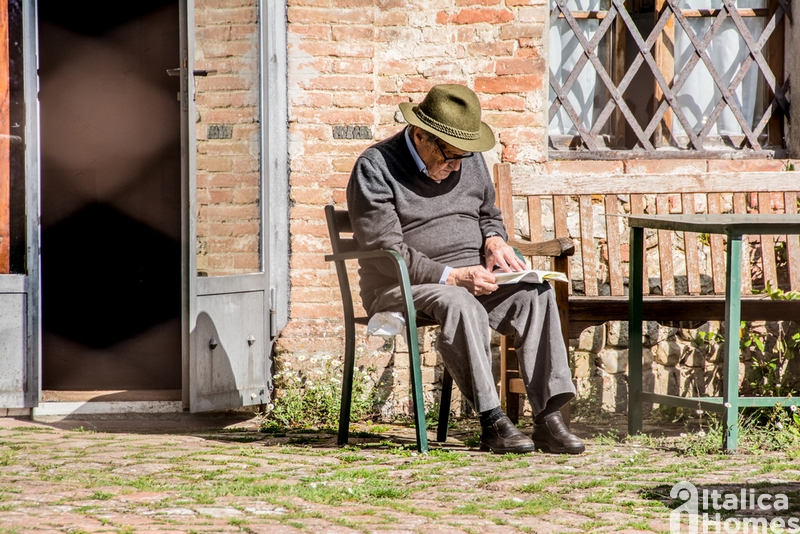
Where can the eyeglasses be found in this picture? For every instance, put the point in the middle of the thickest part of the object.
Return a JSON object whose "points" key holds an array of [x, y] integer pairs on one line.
{"points": [[452, 158]]}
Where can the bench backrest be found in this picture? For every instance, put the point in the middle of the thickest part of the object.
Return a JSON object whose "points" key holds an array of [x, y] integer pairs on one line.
{"points": [[589, 210]]}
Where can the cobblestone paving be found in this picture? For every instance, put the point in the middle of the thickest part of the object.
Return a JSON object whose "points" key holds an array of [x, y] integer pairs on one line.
{"points": [[218, 476]]}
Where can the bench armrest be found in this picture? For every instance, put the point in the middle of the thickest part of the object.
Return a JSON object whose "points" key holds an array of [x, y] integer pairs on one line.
{"points": [[557, 248]]}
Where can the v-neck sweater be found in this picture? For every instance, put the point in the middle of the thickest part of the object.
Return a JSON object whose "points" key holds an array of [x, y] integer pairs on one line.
{"points": [[432, 225]]}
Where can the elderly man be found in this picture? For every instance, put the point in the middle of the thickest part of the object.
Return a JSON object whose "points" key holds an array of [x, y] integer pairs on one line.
{"points": [[426, 193]]}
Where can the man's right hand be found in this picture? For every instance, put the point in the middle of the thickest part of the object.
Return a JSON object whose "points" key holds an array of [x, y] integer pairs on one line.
{"points": [[476, 279]]}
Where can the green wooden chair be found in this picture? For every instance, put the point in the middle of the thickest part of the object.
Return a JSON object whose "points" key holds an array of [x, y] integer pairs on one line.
{"points": [[344, 249]]}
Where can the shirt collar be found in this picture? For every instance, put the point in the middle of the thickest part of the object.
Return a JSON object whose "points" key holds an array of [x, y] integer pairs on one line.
{"points": [[414, 154]]}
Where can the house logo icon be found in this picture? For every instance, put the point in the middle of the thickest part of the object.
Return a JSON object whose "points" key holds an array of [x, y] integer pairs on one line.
{"points": [[687, 492]]}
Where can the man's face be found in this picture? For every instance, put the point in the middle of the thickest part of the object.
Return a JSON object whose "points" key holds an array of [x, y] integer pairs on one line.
{"points": [[440, 158]]}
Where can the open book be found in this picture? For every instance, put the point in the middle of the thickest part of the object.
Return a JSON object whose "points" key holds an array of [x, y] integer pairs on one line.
{"points": [[531, 276]]}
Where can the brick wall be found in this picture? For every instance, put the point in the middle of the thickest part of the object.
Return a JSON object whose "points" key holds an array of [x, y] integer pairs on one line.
{"points": [[228, 219], [351, 62]]}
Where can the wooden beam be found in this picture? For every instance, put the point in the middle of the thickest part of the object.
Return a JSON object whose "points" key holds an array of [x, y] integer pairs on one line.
{"points": [[5, 143], [665, 59]]}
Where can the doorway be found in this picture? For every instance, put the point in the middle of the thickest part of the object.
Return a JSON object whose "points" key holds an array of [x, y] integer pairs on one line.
{"points": [[111, 195]]}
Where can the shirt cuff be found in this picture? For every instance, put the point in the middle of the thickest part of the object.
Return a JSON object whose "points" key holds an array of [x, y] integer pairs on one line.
{"points": [[445, 274]]}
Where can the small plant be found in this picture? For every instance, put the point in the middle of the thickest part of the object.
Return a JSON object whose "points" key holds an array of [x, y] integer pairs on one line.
{"points": [[311, 397]]}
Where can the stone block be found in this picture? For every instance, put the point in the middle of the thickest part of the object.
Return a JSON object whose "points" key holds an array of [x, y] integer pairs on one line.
{"points": [[691, 381], [582, 364], [665, 380], [613, 390], [695, 357], [617, 333], [613, 361], [592, 339], [668, 353]]}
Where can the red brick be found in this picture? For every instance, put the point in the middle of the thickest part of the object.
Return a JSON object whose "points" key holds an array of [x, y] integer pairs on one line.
{"points": [[746, 165], [494, 49], [339, 197], [340, 83], [307, 261], [343, 165], [310, 164], [311, 244], [462, 3], [226, 179], [310, 3], [212, 33], [510, 3], [244, 32], [338, 49], [353, 3], [521, 66], [219, 196], [216, 4], [303, 310], [223, 83], [509, 84], [396, 67], [353, 33], [584, 167], [308, 195], [417, 85], [519, 31], [504, 103], [247, 262], [329, 16], [311, 99], [207, 163], [664, 166], [229, 115], [512, 119], [233, 229], [230, 212], [528, 53], [394, 34], [522, 135], [478, 16], [314, 294], [240, 15], [313, 278], [245, 165], [391, 18], [220, 147], [354, 66], [332, 116], [353, 100], [319, 32], [246, 195], [527, 153]]}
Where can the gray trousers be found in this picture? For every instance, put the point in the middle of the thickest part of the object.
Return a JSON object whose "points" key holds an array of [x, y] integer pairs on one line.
{"points": [[528, 311]]}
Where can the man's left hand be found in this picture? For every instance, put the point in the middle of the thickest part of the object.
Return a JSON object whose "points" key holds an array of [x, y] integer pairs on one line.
{"points": [[500, 255]]}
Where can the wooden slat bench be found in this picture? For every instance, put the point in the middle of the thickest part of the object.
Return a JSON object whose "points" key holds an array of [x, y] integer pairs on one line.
{"points": [[686, 271]]}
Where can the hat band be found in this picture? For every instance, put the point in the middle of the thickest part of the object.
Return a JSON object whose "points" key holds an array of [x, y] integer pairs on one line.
{"points": [[445, 129]]}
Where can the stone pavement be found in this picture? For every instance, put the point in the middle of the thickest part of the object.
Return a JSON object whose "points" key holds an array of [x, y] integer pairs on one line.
{"points": [[193, 474]]}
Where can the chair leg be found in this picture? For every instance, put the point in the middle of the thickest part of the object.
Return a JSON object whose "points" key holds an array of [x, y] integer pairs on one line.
{"points": [[416, 392], [444, 406], [347, 385]]}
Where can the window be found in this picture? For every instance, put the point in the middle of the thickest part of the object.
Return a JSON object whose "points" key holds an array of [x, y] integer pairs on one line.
{"points": [[667, 78]]}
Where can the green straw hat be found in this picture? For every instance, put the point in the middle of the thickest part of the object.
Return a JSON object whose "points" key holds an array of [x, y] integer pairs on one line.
{"points": [[452, 113]]}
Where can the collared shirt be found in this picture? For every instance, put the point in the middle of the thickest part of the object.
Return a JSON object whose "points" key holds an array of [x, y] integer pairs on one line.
{"points": [[422, 168]]}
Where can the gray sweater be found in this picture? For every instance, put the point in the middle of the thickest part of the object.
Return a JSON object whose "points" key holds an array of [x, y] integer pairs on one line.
{"points": [[432, 225]]}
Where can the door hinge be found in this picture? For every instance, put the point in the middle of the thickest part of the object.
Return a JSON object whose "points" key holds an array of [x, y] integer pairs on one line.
{"points": [[273, 315]]}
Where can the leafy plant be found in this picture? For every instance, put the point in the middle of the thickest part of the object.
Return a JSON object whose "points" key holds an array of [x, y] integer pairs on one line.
{"points": [[311, 397]]}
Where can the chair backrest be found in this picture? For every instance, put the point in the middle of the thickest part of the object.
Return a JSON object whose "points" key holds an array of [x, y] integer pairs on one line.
{"points": [[338, 224]]}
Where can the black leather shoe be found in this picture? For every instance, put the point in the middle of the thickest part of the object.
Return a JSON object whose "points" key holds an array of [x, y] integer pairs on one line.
{"points": [[552, 435], [502, 437]]}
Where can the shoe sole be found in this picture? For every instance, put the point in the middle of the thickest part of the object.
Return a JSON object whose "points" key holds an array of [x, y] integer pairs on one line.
{"points": [[546, 448], [486, 448]]}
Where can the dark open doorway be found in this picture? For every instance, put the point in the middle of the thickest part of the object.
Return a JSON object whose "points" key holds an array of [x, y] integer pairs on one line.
{"points": [[111, 195]]}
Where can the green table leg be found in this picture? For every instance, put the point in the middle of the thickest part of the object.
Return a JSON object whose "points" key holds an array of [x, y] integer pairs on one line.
{"points": [[730, 384], [635, 332]]}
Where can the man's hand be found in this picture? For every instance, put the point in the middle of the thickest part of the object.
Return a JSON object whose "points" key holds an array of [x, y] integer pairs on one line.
{"points": [[476, 279], [499, 255]]}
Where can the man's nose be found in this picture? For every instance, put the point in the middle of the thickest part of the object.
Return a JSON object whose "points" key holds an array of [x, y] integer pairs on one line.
{"points": [[455, 164]]}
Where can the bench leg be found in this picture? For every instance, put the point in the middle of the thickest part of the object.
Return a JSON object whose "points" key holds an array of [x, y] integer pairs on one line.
{"points": [[444, 406], [347, 383], [730, 383], [416, 387], [635, 332]]}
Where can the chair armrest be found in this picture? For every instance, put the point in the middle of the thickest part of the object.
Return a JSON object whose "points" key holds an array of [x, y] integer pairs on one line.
{"points": [[401, 272], [557, 248]]}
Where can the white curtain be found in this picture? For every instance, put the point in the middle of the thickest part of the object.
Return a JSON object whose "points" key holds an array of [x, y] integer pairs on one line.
{"points": [[699, 95], [565, 50]]}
